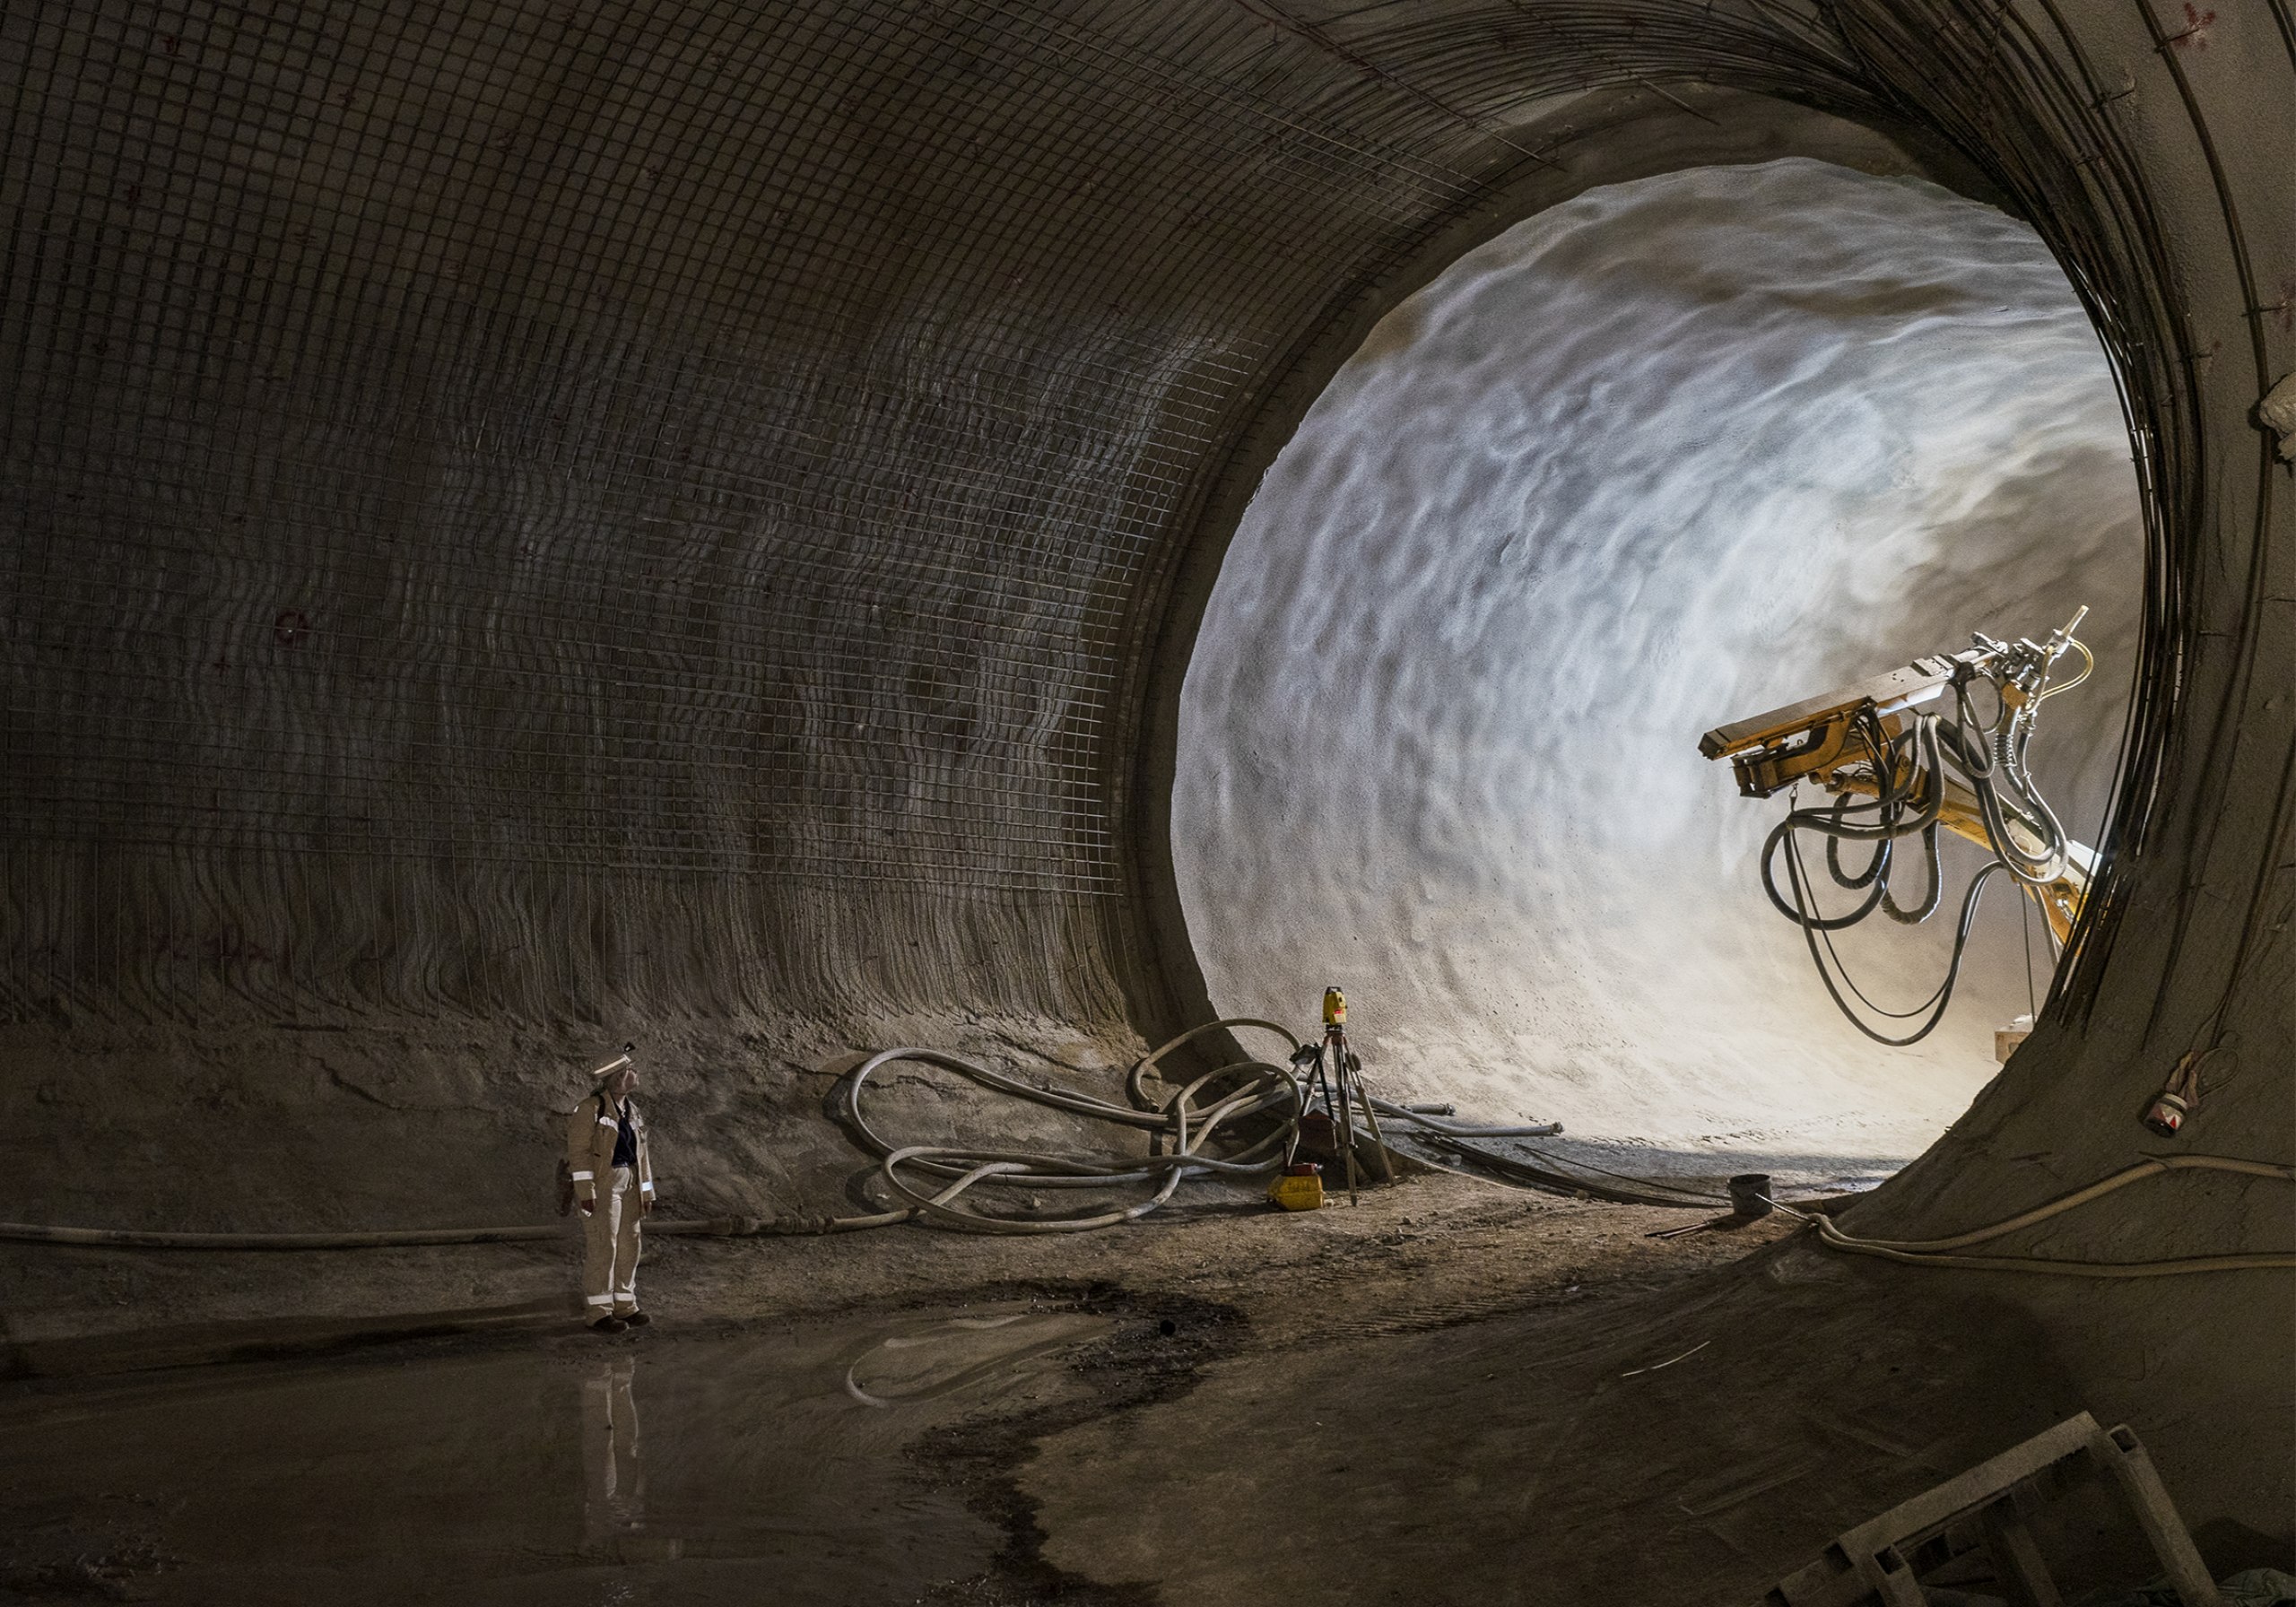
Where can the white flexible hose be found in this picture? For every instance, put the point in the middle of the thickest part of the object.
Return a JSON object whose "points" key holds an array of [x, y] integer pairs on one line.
{"points": [[1179, 1123], [1942, 1252]]}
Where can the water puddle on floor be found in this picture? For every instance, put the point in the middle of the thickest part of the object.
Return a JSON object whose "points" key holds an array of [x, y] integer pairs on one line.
{"points": [[658, 1468]]}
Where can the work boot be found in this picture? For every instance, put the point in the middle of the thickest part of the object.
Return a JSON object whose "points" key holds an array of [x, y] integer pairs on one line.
{"points": [[636, 1319], [608, 1324]]}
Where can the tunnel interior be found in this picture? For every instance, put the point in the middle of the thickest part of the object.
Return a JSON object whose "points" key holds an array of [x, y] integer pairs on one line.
{"points": [[1671, 453], [1009, 530]]}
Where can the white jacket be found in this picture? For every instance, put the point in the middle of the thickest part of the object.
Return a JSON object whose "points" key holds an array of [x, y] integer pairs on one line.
{"points": [[590, 1133]]}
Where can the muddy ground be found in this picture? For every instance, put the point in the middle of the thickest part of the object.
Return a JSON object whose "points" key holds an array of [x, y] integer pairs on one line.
{"points": [[1435, 1247], [100, 1498], [1455, 1391]]}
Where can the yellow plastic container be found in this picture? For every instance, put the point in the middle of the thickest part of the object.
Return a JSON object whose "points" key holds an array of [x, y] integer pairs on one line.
{"points": [[1297, 1194]]}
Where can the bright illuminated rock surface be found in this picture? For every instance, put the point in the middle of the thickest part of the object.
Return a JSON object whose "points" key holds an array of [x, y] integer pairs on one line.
{"points": [[1669, 455]]}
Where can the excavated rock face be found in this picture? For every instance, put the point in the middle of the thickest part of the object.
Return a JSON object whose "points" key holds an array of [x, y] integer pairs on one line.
{"points": [[1656, 459], [527, 526]]}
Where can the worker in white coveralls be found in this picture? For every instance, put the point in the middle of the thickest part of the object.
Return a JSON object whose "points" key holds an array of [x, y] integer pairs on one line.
{"points": [[613, 1184]]}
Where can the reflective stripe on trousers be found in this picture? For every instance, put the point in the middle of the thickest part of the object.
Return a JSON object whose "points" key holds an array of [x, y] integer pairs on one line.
{"points": [[610, 1270]]}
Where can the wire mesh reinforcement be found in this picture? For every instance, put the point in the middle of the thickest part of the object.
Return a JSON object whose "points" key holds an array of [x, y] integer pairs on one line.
{"points": [[697, 441]]}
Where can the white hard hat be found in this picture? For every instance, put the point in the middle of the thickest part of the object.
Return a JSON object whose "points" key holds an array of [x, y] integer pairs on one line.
{"points": [[628, 1054]]}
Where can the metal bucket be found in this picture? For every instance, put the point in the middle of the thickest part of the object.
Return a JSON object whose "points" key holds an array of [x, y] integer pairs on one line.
{"points": [[1750, 1195]]}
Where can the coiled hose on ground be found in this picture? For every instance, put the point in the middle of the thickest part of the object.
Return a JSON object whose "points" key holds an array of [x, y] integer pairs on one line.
{"points": [[1181, 1131]]}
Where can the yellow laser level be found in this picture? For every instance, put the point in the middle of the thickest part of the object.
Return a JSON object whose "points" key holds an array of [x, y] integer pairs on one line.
{"points": [[1335, 1008]]}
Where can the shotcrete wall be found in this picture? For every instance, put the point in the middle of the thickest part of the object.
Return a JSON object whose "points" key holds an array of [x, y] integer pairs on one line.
{"points": [[526, 526], [1656, 459]]}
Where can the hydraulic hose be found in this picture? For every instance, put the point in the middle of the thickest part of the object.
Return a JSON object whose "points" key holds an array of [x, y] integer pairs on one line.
{"points": [[2088, 668], [1462, 1130], [1930, 899], [1635, 1191], [1894, 784], [1434, 1124], [1783, 834], [1878, 865], [2263, 1262], [1984, 765], [1814, 930]]}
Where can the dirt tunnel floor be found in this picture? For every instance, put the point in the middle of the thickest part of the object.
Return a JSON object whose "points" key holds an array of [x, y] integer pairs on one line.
{"points": [[1448, 1393]]}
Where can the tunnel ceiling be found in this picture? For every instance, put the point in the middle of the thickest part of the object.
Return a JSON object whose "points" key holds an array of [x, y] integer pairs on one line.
{"points": [[615, 510]]}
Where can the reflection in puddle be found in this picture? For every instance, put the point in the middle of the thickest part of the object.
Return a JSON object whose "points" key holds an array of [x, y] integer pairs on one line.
{"points": [[928, 1363], [613, 1507], [665, 1471]]}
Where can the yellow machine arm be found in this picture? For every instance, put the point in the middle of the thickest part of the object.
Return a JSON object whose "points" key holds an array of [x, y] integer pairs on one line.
{"points": [[1819, 741], [1771, 751]]}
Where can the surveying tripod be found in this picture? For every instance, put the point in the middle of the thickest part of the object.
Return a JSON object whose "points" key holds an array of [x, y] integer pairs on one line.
{"points": [[1334, 1072]]}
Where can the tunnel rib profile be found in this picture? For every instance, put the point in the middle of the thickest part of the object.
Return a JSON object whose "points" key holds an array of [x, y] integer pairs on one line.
{"points": [[523, 527]]}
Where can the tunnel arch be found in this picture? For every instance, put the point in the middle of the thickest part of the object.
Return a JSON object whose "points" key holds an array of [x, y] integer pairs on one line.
{"points": [[1727, 128], [2111, 239], [2113, 255], [1467, 630]]}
